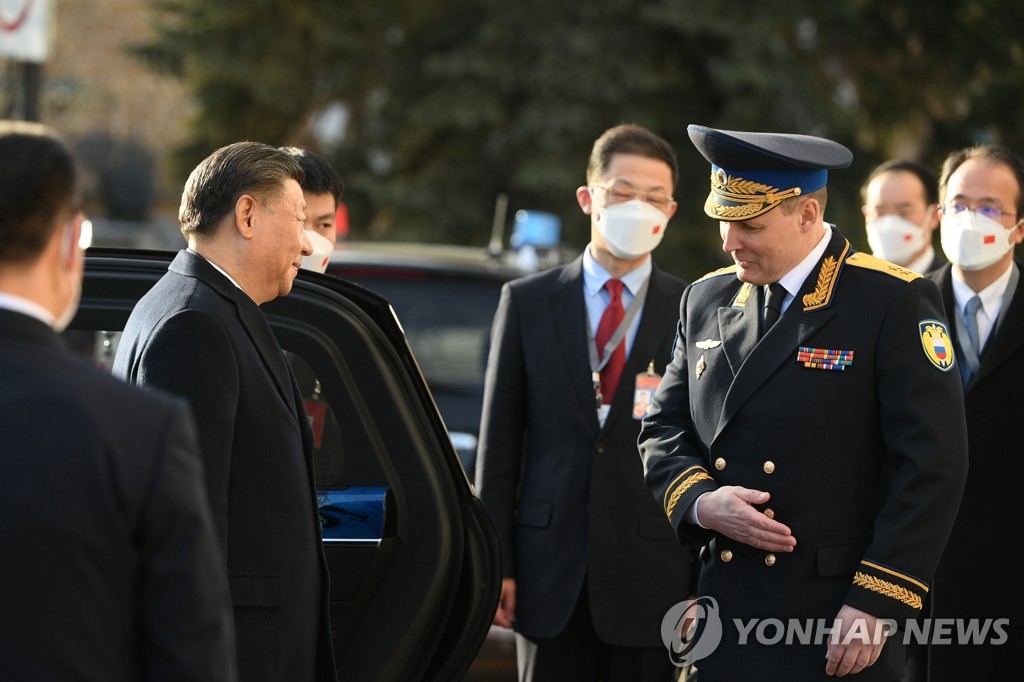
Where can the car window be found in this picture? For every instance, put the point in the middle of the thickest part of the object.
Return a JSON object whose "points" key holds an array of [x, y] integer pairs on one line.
{"points": [[448, 323]]}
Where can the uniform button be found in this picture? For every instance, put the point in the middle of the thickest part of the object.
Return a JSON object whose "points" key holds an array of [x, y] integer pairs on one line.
{"points": [[600, 448], [770, 513], [769, 560], [720, 463], [769, 467], [726, 555]]}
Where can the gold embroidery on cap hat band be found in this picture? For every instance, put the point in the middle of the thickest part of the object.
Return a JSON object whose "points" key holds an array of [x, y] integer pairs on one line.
{"points": [[740, 191], [717, 210]]}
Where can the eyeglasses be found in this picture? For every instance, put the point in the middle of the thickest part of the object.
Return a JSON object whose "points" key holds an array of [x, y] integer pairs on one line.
{"points": [[617, 193], [988, 211]]}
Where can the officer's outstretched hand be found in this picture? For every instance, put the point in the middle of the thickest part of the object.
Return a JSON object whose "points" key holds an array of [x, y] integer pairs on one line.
{"points": [[856, 644], [730, 511]]}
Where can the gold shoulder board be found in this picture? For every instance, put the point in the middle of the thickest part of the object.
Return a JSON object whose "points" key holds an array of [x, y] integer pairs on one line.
{"points": [[729, 269], [864, 260]]}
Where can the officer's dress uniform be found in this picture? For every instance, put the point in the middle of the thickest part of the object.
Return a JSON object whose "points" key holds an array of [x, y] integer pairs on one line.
{"points": [[848, 413]]}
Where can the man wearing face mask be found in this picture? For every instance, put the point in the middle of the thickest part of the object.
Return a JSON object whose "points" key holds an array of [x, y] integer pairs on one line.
{"points": [[111, 566], [982, 211], [590, 565], [901, 213], [322, 189]]}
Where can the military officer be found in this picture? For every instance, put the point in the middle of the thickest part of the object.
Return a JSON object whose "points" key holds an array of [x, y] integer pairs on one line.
{"points": [[810, 428]]}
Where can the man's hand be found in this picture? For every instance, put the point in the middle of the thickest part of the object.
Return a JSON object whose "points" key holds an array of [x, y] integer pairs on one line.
{"points": [[729, 510], [858, 643], [505, 616]]}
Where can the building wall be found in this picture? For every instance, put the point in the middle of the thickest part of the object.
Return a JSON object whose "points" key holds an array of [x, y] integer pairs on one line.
{"points": [[92, 85]]}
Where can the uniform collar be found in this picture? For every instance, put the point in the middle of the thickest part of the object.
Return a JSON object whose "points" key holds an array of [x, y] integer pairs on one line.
{"points": [[794, 279]]}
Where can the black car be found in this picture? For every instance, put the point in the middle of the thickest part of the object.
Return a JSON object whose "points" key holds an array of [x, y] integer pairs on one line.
{"points": [[445, 297], [413, 558]]}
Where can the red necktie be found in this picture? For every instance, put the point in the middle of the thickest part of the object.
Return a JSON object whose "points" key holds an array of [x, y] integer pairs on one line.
{"points": [[610, 321]]}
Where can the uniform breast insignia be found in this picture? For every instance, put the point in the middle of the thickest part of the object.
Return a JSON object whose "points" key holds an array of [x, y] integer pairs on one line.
{"points": [[938, 347], [742, 295], [708, 344], [824, 358], [701, 366]]}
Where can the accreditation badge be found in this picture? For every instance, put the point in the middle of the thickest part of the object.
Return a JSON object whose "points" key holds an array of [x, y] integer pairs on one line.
{"points": [[316, 412], [643, 391]]}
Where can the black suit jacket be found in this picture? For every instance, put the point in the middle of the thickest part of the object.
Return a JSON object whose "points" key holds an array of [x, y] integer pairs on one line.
{"points": [[973, 579], [566, 495], [111, 567], [865, 465], [197, 335]]}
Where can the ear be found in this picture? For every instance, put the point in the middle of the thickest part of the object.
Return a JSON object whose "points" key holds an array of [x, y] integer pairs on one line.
{"points": [[585, 199], [1018, 235], [245, 215], [810, 214], [70, 235]]}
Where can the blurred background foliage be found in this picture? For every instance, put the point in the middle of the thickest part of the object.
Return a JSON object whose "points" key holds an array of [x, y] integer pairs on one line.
{"points": [[430, 110]]}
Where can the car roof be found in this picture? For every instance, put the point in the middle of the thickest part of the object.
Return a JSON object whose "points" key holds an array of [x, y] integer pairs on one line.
{"points": [[440, 259]]}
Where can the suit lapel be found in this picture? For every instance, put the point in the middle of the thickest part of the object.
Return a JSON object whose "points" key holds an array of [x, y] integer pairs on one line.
{"points": [[249, 314], [737, 325], [569, 316], [807, 313], [1008, 337]]}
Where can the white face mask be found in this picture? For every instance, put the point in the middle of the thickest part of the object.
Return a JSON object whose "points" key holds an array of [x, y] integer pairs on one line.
{"points": [[973, 241], [322, 248], [631, 229], [896, 239]]}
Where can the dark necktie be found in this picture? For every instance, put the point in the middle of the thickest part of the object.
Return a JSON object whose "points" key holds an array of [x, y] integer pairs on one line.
{"points": [[772, 307], [610, 321]]}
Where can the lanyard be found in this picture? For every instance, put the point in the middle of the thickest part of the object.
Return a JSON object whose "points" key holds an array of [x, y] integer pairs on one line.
{"points": [[620, 332]]}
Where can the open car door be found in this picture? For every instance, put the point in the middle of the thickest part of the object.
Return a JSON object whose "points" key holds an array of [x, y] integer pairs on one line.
{"points": [[414, 563]]}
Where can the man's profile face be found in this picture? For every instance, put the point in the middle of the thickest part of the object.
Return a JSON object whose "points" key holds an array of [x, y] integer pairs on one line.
{"points": [[279, 241], [766, 247], [320, 215]]}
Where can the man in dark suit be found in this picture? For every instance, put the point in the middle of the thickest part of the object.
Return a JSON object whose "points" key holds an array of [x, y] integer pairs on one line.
{"points": [[982, 212], [901, 213], [811, 435], [590, 565], [111, 567], [199, 333]]}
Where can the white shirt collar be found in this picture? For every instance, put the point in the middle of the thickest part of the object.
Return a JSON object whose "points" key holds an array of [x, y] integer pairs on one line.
{"points": [[595, 276], [793, 279], [218, 268], [26, 307], [991, 296]]}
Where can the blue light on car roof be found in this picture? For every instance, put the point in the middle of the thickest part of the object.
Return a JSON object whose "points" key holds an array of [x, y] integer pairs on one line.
{"points": [[536, 228]]}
